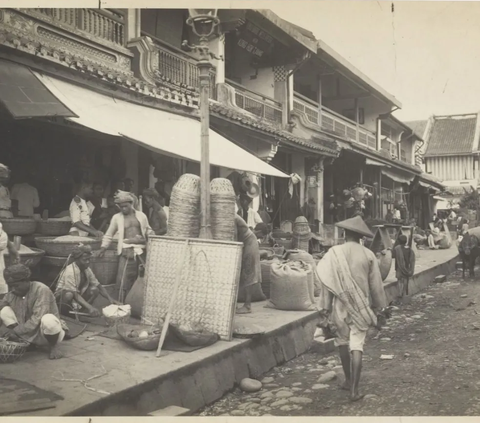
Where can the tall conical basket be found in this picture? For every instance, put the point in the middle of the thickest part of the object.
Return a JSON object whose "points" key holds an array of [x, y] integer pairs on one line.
{"points": [[222, 201], [184, 210]]}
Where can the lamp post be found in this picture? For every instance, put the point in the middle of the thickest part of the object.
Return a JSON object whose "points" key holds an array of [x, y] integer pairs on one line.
{"points": [[203, 23]]}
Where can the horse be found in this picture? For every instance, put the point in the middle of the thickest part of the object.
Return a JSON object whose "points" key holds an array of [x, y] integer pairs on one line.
{"points": [[469, 250]]}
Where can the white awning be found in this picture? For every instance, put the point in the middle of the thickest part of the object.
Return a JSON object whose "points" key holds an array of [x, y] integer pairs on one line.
{"points": [[156, 130], [372, 162], [397, 177]]}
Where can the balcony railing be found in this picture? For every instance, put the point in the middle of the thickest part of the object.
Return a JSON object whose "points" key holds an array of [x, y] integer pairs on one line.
{"points": [[332, 121], [179, 67], [260, 105], [102, 24]]}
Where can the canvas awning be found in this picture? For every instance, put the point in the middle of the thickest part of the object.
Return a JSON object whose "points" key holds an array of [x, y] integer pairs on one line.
{"points": [[24, 96], [154, 129], [372, 162], [402, 179]]}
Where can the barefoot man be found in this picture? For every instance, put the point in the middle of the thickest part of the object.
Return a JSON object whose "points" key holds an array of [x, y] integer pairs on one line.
{"points": [[133, 230], [352, 297], [29, 311]]}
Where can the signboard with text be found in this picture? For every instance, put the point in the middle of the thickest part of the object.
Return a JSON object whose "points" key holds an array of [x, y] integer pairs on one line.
{"points": [[255, 41]]}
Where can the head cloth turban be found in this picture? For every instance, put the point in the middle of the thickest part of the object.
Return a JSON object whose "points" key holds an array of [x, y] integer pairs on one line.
{"points": [[16, 273]]}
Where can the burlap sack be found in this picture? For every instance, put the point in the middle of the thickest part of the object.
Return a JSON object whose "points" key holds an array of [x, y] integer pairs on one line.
{"points": [[306, 257], [135, 297]]}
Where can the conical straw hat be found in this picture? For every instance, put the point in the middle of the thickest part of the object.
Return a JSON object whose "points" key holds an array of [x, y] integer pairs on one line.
{"points": [[357, 225]]}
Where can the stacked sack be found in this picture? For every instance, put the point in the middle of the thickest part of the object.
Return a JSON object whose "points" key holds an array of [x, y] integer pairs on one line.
{"points": [[291, 286], [300, 255]]}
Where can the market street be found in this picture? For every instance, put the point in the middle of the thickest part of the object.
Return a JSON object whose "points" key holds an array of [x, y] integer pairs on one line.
{"points": [[435, 369]]}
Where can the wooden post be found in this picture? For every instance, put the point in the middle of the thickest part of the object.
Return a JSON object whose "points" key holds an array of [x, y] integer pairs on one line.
{"points": [[361, 176], [379, 134], [319, 100], [357, 134], [204, 75], [380, 200]]}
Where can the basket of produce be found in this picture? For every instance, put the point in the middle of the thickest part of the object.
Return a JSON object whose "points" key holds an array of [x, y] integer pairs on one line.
{"points": [[105, 268], [141, 337], [194, 335], [11, 351], [117, 314], [63, 246], [19, 226], [55, 226], [28, 256]]}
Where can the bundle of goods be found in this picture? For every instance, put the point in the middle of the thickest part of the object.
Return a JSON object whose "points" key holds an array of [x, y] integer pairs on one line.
{"points": [[257, 294], [194, 335], [222, 200], [303, 256], [136, 295], [301, 234], [63, 246], [105, 268], [289, 287], [184, 209], [19, 226], [265, 266], [28, 256], [141, 337], [116, 314], [55, 226], [385, 260], [11, 351]]}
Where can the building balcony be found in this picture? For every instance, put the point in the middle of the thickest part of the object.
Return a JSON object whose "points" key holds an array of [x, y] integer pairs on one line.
{"points": [[331, 121], [262, 106]]}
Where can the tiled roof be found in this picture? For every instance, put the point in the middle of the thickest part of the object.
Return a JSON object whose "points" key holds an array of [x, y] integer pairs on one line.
{"points": [[452, 135], [418, 127], [427, 177], [324, 146]]}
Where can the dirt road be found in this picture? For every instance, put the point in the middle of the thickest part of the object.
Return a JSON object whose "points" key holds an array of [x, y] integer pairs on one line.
{"points": [[435, 370]]}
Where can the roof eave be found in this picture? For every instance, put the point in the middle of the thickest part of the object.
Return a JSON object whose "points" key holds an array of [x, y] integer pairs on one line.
{"points": [[354, 73]]}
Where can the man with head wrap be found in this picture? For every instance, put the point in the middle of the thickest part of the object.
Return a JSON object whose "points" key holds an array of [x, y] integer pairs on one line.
{"points": [[5, 200], [29, 311], [77, 285], [133, 230], [156, 215]]}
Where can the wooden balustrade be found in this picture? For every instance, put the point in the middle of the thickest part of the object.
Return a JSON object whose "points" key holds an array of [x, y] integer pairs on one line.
{"points": [[258, 104]]}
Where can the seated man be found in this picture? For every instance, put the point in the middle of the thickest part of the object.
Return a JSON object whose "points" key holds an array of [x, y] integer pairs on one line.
{"points": [[29, 311], [77, 285]]}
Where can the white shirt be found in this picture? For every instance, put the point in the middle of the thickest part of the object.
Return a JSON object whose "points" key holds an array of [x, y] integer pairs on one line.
{"points": [[80, 212], [27, 197], [5, 203], [253, 218]]}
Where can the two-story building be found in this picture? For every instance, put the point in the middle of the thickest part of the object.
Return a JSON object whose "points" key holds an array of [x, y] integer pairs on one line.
{"points": [[108, 93]]}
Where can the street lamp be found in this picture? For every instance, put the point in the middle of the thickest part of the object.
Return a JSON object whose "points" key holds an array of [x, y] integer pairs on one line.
{"points": [[203, 23]]}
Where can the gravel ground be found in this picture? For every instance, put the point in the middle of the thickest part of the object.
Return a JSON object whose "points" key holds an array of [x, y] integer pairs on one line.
{"points": [[435, 370]]}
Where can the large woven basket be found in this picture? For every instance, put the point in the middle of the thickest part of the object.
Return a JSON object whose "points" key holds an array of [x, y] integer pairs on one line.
{"points": [[129, 333], [301, 226], [184, 209], [222, 200], [105, 268], [29, 259], [115, 321], [54, 261], [11, 351], [19, 226], [301, 242], [55, 248], [54, 227]]}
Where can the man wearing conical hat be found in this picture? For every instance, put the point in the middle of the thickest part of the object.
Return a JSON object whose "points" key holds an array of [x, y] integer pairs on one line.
{"points": [[352, 296]]}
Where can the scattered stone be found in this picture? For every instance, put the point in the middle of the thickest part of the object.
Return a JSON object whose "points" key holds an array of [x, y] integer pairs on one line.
{"points": [[250, 385], [266, 380], [295, 389], [386, 357], [297, 384], [409, 320], [271, 385], [463, 296], [257, 400], [319, 386], [385, 339], [284, 394], [266, 400], [300, 367], [237, 413], [301, 400], [308, 391], [266, 395], [286, 408], [406, 355], [440, 279], [371, 396], [327, 377], [323, 362], [279, 403]]}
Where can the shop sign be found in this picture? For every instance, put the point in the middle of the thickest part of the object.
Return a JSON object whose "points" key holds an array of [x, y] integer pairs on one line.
{"points": [[255, 40]]}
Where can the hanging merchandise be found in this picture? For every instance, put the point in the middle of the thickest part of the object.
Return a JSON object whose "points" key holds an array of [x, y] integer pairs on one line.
{"points": [[236, 179], [184, 210], [222, 200], [294, 180]]}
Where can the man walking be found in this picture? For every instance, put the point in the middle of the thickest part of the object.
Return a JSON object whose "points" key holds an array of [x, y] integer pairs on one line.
{"points": [[404, 264], [353, 291]]}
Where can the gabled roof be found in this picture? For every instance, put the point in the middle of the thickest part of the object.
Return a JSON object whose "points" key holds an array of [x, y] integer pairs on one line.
{"points": [[418, 127], [452, 135]]}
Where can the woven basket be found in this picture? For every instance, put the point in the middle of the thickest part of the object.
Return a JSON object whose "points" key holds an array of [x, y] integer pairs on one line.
{"points": [[64, 248], [222, 200], [53, 261], [301, 226], [30, 259], [115, 321], [301, 242], [194, 339], [105, 268], [19, 226], [11, 351], [184, 210], [286, 243], [54, 227], [129, 333]]}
